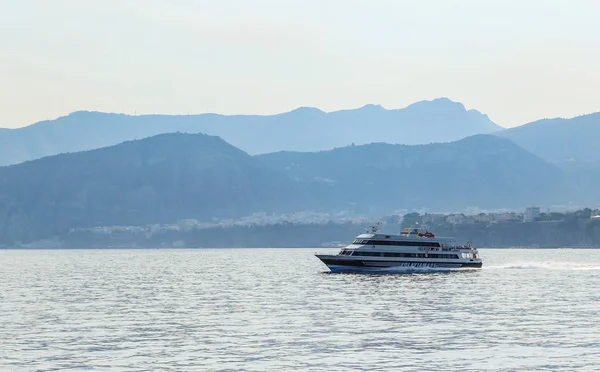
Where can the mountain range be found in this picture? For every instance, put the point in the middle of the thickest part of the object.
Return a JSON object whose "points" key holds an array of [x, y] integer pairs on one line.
{"points": [[171, 177], [161, 179], [92, 169], [482, 170], [566, 142], [569, 142], [303, 129]]}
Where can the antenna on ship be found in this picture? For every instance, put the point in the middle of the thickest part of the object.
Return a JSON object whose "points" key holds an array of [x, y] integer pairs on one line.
{"points": [[374, 228]]}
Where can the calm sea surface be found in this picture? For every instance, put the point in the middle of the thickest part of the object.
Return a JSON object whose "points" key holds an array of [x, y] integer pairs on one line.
{"points": [[278, 309]]}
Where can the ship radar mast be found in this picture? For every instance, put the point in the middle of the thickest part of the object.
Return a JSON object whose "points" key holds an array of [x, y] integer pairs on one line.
{"points": [[375, 228]]}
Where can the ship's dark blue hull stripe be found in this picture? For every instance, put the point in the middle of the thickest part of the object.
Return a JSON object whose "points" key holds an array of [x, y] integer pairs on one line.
{"points": [[373, 263]]}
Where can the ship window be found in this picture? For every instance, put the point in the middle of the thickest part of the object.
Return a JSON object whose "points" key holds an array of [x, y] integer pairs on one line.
{"points": [[395, 243], [403, 255], [372, 254], [393, 254], [417, 255], [435, 255]]}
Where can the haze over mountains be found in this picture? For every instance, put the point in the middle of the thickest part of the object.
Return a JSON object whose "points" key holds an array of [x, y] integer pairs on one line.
{"points": [[482, 170], [303, 129], [160, 179], [569, 142], [573, 141], [170, 177]]}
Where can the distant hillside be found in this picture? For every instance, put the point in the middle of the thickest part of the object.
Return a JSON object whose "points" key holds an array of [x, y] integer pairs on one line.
{"points": [[560, 233], [170, 177], [156, 180], [561, 141], [483, 170], [304, 129]]}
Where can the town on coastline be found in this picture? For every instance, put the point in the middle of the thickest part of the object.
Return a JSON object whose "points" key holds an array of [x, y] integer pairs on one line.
{"points": [[531, 214], [497, 229]]}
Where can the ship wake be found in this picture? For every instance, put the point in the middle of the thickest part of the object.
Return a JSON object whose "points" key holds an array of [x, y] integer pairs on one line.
{"points": [[546, 265]]}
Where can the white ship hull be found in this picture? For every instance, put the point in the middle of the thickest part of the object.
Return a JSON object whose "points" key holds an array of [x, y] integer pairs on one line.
{"points": [[411, 249], [335, 263]]}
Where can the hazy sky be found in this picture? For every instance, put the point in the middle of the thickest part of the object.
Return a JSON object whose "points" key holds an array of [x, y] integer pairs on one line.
{"points": [[515, 60]]}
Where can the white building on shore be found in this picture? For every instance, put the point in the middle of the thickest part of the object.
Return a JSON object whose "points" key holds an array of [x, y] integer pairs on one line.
{"points": [[531, 213]]}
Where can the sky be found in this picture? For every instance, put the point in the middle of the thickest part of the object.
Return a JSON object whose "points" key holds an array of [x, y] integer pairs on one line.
{"points": [[517, 61]]}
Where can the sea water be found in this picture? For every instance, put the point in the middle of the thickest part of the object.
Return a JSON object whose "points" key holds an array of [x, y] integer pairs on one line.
{"points": [[280, 310]]}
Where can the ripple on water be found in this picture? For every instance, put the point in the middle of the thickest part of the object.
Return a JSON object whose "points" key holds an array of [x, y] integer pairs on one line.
{"points": [[269, 309]]}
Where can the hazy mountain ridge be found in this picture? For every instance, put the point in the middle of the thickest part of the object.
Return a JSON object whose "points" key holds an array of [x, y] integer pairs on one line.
{"points": [[569, 142], [170, 177], [159, 179], [303, 129], [483, 170]]}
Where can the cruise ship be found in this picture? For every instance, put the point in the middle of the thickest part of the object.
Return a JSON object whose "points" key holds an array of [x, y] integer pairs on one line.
{"points": [[413, 248]]}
